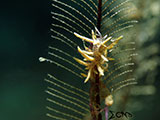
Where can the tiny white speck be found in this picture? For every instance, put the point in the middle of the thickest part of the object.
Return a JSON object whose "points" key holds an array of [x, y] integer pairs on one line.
{"points": [[41, 59], [112, 40], [111, 50], [112, 90]]}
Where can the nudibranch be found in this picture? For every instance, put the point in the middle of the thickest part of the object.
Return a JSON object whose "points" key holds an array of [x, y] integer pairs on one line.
{"points": [[95, 57]]}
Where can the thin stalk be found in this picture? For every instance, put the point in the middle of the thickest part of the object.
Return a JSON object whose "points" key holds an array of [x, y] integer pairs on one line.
{"points": [[99, 15], [95, 97], [95, 81]]}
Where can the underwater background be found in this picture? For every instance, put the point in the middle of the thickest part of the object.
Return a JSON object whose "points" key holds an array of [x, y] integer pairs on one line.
{"points": [[25, 36]]}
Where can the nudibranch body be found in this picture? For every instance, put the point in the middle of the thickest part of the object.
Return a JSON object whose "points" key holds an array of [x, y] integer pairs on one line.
{"points": [[95, 58]]}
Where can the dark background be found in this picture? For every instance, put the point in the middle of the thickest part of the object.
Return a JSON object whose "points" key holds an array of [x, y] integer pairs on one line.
{"points": [[24, 37]]}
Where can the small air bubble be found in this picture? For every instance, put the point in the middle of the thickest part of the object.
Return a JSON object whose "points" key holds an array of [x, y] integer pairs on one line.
{"points": [[41, 59]]}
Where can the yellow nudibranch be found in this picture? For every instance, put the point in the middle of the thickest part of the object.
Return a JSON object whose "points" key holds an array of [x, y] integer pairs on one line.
{"points": [[95, 57]]}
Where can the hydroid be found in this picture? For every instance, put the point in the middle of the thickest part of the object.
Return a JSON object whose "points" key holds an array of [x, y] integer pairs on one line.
{"points": [[92, 29]]}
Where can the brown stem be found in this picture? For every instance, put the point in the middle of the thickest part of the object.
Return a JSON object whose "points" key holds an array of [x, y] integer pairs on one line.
{"points": [[98, 96], [99, 15], [95, 81], [95, 98]]}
